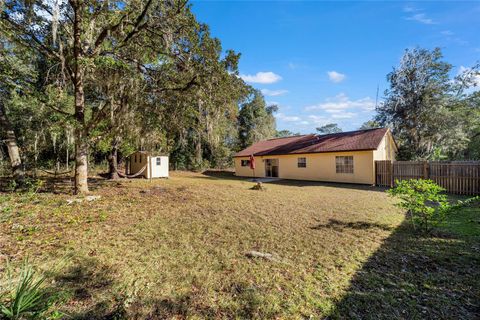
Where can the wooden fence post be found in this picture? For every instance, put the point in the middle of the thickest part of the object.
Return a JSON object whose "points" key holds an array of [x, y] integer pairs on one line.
{"points": [[425, 169], [390, 172]]}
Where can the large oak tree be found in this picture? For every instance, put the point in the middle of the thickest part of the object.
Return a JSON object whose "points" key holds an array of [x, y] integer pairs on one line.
{"points": [[78, 37]]}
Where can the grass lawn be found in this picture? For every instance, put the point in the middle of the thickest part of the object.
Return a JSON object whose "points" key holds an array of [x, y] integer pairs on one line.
{"points": [[177, 249]]}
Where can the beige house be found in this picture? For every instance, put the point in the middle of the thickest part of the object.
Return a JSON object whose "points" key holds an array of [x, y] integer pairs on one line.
{"points": [[340, 157], [143, 164]]}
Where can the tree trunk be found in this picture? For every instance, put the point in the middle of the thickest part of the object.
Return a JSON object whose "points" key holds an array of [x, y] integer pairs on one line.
{"points": [[12, 146], [81, 163], [198, 154], [113, 162], [81, 135]]}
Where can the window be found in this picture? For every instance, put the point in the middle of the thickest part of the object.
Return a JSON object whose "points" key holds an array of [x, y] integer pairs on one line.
{"points": [[140, 159], [344, 164], [135, 158], [158, 161], [245, 163], [302, 162]]}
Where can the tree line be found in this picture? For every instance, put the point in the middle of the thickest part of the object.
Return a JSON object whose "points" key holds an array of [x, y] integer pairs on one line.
{"points": [[82, 81]]}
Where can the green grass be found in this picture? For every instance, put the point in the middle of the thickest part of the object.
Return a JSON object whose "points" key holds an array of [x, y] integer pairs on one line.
{"points": [[465, 223], [176, 249]]}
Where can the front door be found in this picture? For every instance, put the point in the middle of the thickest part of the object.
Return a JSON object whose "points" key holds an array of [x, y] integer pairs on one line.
{"points": [[271, 167]]}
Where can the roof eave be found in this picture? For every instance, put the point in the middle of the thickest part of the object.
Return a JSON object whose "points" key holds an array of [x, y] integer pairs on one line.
{"points": [[299, 153]]}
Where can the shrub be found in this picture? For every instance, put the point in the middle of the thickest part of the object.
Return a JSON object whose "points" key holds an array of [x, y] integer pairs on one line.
{"points": [[29, 185], [26, 297], [425, 202]]}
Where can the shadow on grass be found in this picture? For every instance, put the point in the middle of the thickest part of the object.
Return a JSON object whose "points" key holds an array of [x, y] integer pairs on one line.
{"points": [[413, 276], [230, 175], [302, 183], [89, 286], [221, 174], [359, 225], [92, 292], [59, 185], [248, 298]]}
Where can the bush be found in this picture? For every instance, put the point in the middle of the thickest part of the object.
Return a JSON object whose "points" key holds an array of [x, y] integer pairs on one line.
{"points": [[28, 185], [425, 202], [25, 296]]}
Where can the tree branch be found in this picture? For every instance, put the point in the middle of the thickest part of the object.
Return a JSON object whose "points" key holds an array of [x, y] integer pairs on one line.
{"points": [[56, 109], [187, 86], [137, 27], [32, 36], [101, 37]]}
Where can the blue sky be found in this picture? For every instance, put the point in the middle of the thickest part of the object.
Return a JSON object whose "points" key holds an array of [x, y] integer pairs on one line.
{"points": [[321, 62]]}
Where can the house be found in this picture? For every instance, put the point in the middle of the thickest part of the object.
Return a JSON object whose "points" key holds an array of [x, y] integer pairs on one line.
{"points": [[339, 157], [142, 164]]}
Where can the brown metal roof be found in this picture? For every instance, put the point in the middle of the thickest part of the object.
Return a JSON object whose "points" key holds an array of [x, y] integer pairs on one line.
{"points": [[335, 142]]}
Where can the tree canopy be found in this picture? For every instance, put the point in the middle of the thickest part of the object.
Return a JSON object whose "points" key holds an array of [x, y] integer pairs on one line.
{"points": [[100, 79], [430, 114], [329, 128]]}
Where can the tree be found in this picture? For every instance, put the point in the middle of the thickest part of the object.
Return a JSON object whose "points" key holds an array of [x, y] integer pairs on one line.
{"points": [[114, 77], [16, 76], [468, 109], [420, 107], [200, 122], [255, 121], [78, 36], [370, 124], [425, 201], [472, 116], [329, 128], [285, 133]]}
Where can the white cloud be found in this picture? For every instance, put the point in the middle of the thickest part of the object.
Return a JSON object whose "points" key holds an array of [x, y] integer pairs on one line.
{"points": [[269, 103], [273, 93], [409, 9], [342, 102], [338, 109], [336, 77], [285, 118], [261, 77], [317, 120], [421, 18], [450, 36], [447, 33], [344, 115], [292, 66]]}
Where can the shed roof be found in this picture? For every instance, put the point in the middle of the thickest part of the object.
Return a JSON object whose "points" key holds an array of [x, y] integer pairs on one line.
{"points": [[344, 141], [150, 153]]}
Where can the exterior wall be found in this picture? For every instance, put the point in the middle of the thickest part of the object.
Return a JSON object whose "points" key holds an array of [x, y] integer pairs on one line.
{"points": [[158, 171], [141, 161], [387, 149], [240, 171], [320, 167], [152, 170]]}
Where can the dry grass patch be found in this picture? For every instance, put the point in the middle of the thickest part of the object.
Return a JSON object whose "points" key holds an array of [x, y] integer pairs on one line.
{"points": [[177, 248]]}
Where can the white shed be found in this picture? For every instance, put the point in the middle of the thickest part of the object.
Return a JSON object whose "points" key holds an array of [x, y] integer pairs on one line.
{"points": [[142, 164]]}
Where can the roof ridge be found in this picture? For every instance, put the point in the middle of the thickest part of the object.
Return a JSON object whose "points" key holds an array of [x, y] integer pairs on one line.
{"points": [[295, 136], [344, 132]]}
